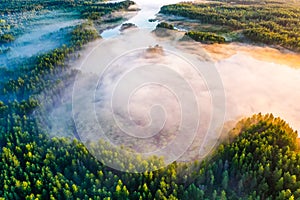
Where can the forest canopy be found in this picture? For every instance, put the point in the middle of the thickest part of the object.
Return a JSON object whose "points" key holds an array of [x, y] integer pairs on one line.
{"points": [[260, 160]]}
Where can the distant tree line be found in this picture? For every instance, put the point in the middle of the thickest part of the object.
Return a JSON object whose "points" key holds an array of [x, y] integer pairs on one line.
{"points": [[15, 6], [87, 9]]}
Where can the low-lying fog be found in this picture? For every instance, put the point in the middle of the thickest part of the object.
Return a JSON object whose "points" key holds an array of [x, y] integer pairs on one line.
{"points": [[38, 32], [149, 99]]}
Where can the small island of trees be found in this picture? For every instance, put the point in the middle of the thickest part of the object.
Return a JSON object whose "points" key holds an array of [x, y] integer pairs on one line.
{"points": [[165, 25], [205, 37], [6, 38]]}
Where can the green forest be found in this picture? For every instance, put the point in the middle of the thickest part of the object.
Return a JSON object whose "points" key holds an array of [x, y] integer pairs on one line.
{"points": [[268, 22], [12, 6], [260, 159]]}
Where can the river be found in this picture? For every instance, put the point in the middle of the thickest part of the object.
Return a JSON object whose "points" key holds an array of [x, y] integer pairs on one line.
{"points": [[148, 10]]}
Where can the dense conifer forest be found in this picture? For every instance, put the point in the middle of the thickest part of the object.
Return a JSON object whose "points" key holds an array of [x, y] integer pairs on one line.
{"points": [[259, 159]]}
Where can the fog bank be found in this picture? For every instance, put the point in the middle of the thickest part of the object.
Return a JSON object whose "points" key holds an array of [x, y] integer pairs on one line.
{"points": [[170, 102]]}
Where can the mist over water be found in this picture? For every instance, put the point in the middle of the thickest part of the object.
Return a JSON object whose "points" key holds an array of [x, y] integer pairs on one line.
{"points": [[155, 102], [254, 86], [114, 99]]}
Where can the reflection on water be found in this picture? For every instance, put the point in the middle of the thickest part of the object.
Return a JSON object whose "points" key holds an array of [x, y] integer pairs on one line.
{"points": [[148, 11]]}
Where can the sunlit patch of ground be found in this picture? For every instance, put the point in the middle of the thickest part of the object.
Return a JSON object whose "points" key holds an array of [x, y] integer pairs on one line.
{"points": [[268, 54], [221, 51]]}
